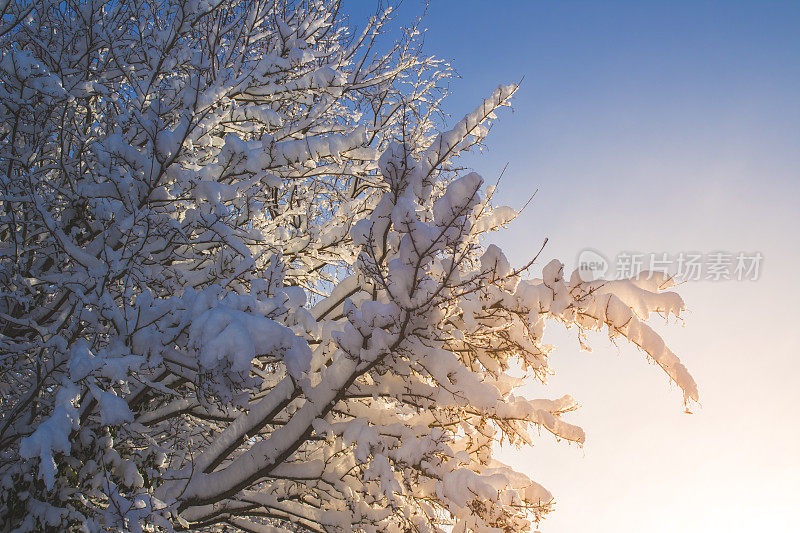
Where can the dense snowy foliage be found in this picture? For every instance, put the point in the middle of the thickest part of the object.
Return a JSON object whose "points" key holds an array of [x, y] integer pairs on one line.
{"points": [[243, 281]]}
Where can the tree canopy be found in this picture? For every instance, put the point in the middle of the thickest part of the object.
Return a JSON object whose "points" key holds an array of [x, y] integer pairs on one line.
{"points": [[244, 282]]}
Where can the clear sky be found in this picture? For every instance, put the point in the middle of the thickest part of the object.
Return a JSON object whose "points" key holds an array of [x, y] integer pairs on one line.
{"points": [[660, 127]]}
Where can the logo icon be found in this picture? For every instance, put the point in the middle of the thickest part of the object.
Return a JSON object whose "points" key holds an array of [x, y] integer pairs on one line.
{"points": [[591, 265]]}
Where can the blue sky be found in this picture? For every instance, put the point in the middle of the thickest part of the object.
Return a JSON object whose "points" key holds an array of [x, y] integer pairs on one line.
{"points": [[653, 127]]}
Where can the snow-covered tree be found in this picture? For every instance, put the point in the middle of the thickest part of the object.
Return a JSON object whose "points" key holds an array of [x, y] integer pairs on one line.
{"points": [[244, 284]]}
